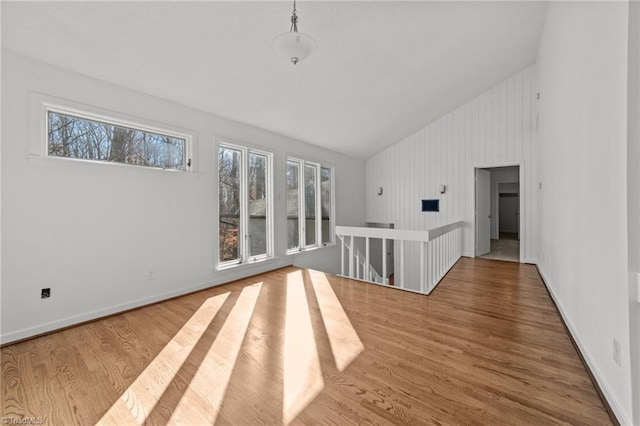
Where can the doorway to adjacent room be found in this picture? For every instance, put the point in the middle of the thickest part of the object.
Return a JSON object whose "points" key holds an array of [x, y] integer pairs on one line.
{"points": [[498, 193]]}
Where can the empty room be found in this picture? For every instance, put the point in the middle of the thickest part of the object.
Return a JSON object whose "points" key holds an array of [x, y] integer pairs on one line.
{"points": [[320, 212]]}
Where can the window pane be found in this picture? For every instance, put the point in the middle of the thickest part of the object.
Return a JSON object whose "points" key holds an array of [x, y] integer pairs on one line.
{"points": [[310, 203], [325, 203], [229, 164], [258, 204], [293, 205], [75, 137]]}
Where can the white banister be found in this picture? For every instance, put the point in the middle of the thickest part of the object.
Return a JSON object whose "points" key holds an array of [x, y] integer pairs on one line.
{"points": [[422, 289], [384, 262], [401, 263], [351, 257], [367, 275], [438, 249], [341, 255]]}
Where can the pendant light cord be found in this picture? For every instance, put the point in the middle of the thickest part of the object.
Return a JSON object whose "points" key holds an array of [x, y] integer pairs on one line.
{"points": [[294, 19]]}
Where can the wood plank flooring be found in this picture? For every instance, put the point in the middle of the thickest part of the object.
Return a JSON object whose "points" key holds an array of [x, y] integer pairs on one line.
{"points": [[301, 347]]}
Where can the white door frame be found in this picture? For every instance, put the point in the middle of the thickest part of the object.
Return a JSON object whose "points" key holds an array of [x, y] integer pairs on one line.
{"points": [[482, 217], [523, 214]]}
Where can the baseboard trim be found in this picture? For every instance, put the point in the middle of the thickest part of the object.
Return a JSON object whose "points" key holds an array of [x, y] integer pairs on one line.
{"points": [[86, 317], [611, 404]]}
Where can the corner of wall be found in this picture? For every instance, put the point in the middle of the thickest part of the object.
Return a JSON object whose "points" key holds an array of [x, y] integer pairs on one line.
{"points": [[600, 378]]}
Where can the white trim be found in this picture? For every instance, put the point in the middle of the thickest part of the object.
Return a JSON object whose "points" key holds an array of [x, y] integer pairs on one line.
{"points": [[302, 219], [496, 165], [243, 228], [43, 105], [300, 202], [319, 205], [220, 265], [38, 131], [597, 374], [296, 251], [523, 213], [522, 237], [222, 278], [398, 234], [332, 212], [105, 119], [303, 205]]}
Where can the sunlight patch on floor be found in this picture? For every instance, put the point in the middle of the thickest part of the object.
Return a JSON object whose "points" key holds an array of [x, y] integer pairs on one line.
{"points": [[201, 401], [344, 340], [137, 402], [302, 374]]}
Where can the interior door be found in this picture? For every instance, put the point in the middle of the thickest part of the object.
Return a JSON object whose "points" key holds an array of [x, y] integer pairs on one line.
{"points": [[483, 212]]}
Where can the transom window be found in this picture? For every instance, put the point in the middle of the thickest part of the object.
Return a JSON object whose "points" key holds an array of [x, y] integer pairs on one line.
{"points": [[71, 135], [244, 205], [310, 218]]}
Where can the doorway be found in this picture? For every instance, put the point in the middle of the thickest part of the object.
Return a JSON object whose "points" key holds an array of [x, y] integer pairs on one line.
{"points": [[498, 194]]}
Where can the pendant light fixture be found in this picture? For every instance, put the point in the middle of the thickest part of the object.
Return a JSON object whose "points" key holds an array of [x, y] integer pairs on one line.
{"points": [[294, 45]]}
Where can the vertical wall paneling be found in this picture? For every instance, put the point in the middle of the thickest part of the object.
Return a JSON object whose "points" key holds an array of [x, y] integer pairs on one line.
{"points": [[496, 128], [502, 122]]}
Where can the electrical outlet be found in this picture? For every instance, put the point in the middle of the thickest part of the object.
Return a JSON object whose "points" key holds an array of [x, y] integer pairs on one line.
{"points": [[616, 351], [45, 293], [151, 275]]}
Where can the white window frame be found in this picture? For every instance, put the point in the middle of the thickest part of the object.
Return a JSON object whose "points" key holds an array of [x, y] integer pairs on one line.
{"points": [[244, 244], [105, 119], [332, 212], [302, 220]]}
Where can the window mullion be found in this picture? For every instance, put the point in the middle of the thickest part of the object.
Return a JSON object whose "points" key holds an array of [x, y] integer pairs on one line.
{"points": [[332, 212], [302, 238], [318, 205], [244, 204], [270, 203]]}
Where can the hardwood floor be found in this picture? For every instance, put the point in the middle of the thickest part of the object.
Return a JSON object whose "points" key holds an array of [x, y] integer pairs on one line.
{"points": [[299, 346]]}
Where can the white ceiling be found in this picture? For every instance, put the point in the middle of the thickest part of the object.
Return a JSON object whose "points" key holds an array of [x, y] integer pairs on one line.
{"points": [[382, 69]]}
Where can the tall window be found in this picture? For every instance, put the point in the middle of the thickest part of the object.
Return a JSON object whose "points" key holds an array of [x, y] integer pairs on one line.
{"points": [[326, 204], [229, 195], [293, 205], [310, 183], [71, 135], [309, 205], [244, 205], [258, 208]]}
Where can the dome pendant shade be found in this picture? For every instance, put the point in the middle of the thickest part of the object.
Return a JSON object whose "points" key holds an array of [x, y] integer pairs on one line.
{"points": [[294, 46]]}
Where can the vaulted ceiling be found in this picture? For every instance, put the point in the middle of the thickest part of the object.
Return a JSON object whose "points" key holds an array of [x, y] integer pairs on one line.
{"points": [[382, 69]]}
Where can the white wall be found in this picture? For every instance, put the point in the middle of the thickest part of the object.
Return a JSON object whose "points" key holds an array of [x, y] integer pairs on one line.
{"points": [[633, 203], [493, 129], [582, 74], [91, 231]]}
